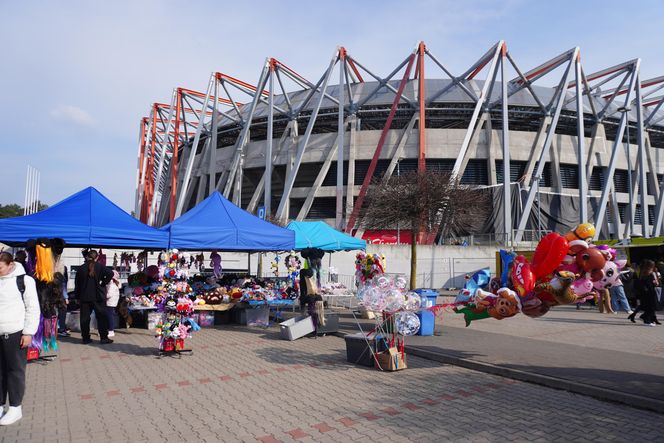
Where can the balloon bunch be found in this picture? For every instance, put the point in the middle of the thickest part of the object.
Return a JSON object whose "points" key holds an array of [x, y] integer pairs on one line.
{"points": [[368, 266], [563, 270], [390, 296]]}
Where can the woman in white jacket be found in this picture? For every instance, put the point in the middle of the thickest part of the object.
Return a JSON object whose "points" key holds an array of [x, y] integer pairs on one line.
{"points": [[19, 319], [112, 299]]}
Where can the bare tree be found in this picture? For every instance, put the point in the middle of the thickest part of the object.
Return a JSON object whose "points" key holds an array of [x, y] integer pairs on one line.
{"points": [[433, 203]]}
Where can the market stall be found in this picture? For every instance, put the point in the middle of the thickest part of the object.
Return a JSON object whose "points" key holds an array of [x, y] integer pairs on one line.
{"points": [[313, 240], [218, 225], [86, 218]]}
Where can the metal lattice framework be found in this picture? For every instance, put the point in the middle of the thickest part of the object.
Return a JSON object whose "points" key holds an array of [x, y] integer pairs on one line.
{"points": [[178, 161]]}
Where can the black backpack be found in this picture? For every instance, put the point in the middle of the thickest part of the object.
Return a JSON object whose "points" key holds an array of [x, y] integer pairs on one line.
{"points": [[20, 282]]}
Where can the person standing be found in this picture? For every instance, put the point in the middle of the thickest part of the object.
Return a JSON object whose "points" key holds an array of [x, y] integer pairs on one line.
{"points": [[112, 299], [645, 291], [90, 289], [19, 320], [618, 297]]}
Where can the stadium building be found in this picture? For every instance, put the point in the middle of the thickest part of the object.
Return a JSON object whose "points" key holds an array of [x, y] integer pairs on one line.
{"points": [[588, 148]]}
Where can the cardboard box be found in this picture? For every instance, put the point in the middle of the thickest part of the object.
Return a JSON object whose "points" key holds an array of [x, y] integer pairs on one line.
{"points": [[391, 360]]}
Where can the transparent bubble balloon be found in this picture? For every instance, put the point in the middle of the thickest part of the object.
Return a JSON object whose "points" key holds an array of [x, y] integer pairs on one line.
{"points": [[400, 283], [413, 301], [394, 300], [360, 292], [377, 300], [382, 282], [407, 323]]}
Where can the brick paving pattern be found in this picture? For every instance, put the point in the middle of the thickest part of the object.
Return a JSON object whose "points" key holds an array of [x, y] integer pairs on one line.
{"points": [[248, 385]]}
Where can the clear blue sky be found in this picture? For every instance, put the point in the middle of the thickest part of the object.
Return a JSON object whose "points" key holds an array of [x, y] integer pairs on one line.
{"points": [[77, 76]]}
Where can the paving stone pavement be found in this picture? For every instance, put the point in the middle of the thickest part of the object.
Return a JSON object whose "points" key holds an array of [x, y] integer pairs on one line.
{"points": [[248, 385]]}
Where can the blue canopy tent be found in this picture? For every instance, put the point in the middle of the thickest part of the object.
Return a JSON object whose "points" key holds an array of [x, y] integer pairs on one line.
{"points": [[320, 235], [217, 224], [86, 218]]}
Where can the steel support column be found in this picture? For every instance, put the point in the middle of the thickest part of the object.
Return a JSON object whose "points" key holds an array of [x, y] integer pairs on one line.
{"points": [[580, 143], [212, 147], [235, 163], [267, 183], [507, 197], [645, 228], [174, 160], [560, 91], [194, 148], [354, 124], [290, 179], [421, 95], [139, 167], [459, 164], [341, 128], [601, 211], [374, 161], [162, 160]]}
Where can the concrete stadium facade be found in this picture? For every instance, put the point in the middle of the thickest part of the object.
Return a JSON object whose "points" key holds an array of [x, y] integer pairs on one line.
{"points": [[575, 152]]}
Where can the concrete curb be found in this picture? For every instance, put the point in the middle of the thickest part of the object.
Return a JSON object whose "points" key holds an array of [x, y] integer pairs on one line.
{"points": [[597, 392]]}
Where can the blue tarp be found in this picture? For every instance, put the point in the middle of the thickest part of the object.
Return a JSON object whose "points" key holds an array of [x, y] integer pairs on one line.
{"points": [[86, 218], [322, 236], [217, 224]]}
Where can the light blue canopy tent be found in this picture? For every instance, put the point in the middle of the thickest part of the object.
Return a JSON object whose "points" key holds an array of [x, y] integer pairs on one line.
{"points": [[320, 235], [86, 218], [217, 224]]}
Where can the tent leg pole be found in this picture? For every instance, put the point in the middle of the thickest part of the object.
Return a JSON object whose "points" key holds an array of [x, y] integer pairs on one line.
{"points": [[249, 263]]}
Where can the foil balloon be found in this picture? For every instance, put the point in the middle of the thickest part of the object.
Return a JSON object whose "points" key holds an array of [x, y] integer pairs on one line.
{"points": [[407, 323], [549, 254], [523, 279]]}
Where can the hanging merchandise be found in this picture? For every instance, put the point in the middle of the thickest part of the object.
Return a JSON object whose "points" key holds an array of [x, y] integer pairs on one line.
{"points": [[174, 302], [275, 265], [215, 264], [293, 264], [49, 283]]}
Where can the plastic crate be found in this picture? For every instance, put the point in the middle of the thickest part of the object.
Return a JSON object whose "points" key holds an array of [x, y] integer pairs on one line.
{"points": [[331, 324], [296, 328], [258, 317], [206, 319], [359, 352]]}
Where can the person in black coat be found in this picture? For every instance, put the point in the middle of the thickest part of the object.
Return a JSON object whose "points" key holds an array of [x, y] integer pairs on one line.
{"points": [[644, 287], [90, 290]]}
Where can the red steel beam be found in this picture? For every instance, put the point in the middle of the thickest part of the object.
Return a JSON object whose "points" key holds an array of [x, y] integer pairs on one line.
{"points": [[379, 147], [355, 70]]}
